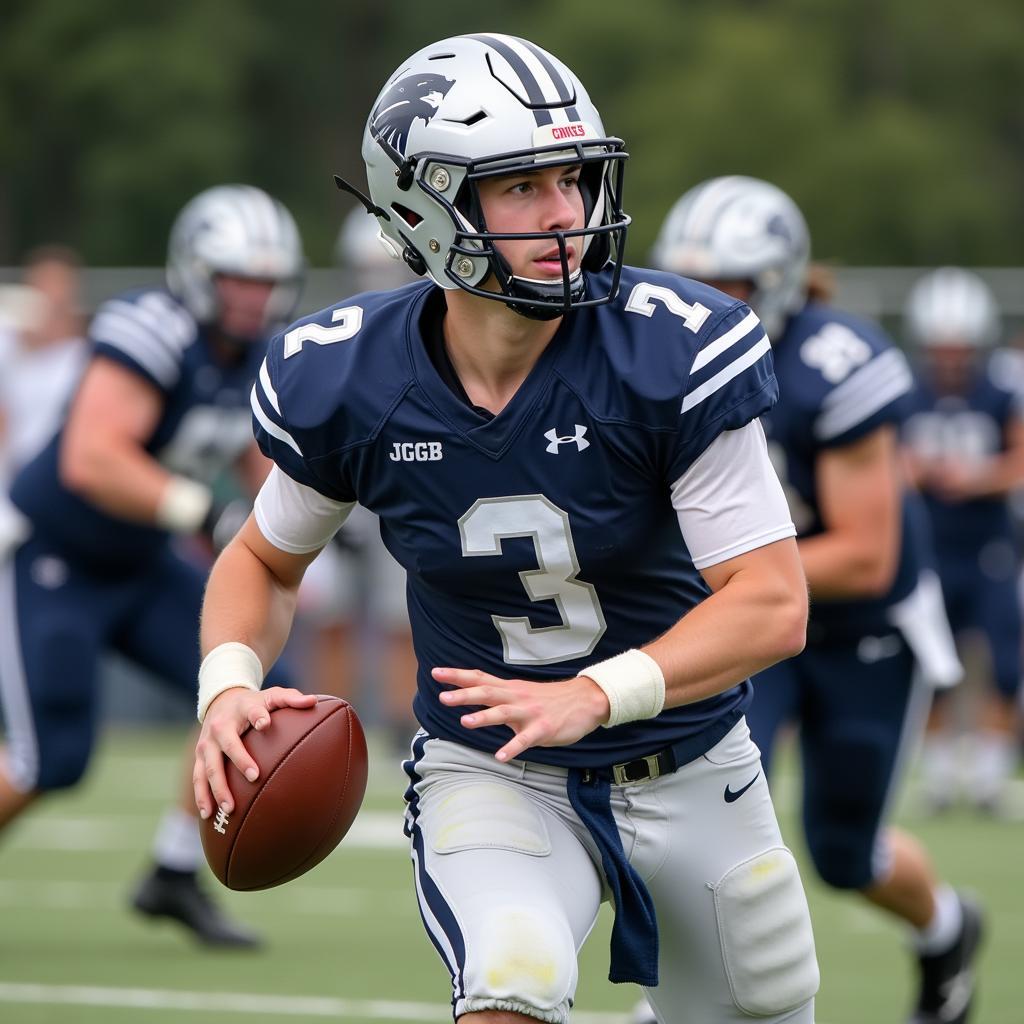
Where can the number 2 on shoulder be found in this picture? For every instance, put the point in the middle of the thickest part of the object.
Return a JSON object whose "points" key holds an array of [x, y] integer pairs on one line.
{"points": [[348, 320], [640, 301]]}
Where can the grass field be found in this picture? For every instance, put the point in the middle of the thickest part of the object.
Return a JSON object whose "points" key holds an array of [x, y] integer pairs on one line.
{"points": [[346, 942]]}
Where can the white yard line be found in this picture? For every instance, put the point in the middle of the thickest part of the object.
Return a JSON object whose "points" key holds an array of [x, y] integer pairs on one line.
{"points": [[239, 1002]]}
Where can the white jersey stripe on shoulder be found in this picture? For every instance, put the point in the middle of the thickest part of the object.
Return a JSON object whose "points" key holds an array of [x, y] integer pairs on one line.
{"points": [[880, 376], [891, 377], [869, 387], [717, 346], [137, 343], [136, 313], [181, 327], [152, 316], [838, 420], [890, 362], [720, 379], [269, 425], [268, 387]]}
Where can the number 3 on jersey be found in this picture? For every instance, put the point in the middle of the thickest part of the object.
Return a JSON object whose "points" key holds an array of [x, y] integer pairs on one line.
{"points": [[482, 530]]}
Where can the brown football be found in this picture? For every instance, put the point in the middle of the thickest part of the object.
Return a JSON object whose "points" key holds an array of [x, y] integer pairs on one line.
{"points": [[312, 778]]}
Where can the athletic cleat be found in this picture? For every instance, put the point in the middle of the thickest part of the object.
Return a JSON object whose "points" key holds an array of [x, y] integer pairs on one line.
{"points": [[177, 896], [947, 979]]}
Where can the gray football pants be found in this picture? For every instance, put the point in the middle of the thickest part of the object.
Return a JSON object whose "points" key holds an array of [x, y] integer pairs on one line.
{"points": [[509, 884]]}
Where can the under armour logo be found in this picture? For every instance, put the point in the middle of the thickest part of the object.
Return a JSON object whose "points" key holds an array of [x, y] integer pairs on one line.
{"points": [[220, 822], [577, 439]]}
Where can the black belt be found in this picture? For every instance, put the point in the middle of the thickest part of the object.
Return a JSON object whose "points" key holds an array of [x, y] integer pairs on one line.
{"points": [[671, 759], [643, 768]]}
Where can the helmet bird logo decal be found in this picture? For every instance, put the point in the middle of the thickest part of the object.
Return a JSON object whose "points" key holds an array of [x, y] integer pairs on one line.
{"points": [[416, 96]]}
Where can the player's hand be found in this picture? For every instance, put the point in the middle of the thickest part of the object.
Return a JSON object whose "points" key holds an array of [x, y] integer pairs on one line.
{"points": [[540, 714], [227, 718], [223, 521], [955, 481]]}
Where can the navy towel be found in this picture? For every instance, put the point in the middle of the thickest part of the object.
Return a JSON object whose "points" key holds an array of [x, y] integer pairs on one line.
{"points": [[634, 945]]}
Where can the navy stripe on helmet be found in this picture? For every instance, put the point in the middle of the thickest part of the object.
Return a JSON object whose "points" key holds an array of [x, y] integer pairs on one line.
{"points": [[566, 94], [526, 77]]}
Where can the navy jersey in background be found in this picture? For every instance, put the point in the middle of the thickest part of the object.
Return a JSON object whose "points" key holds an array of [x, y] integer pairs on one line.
{"points": [[203, 426]]}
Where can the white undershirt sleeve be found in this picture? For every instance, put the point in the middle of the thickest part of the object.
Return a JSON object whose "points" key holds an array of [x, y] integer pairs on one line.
{"points": [[296, 518], [730, 500]]}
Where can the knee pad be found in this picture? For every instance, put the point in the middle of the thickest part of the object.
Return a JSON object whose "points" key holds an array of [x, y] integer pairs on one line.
{"points": [[523, 961], [764, 927]]}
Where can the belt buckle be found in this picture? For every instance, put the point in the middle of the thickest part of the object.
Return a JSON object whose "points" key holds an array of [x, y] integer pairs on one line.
{"points": [[621, 776]]}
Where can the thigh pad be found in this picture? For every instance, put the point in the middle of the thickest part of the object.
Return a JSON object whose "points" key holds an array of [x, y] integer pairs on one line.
{"points": [[765, 930]]}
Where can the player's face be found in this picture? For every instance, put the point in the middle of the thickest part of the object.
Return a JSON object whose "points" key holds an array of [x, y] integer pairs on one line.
{"points": [[952, 364], [243, 305], [543, 200]]}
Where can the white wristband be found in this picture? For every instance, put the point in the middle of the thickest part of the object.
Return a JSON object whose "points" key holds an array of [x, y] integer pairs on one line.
{"points": [[227, 665], [633, 683], [183, 505]]}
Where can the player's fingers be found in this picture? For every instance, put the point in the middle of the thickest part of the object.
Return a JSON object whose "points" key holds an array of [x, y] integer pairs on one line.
{"points": [[201, 788], [258, 716], [500, 715], [211, 767], [285, 697], [236, 753], [485, 695], [515, 746], [463, 676]]}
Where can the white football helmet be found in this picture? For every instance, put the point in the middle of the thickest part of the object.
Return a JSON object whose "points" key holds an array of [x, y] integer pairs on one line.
{"points": [[477, 106], [740, 229], [951, 306], [370, 259], [237, 230]]}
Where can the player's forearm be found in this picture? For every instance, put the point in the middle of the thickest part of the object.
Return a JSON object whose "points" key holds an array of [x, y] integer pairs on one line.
{"points": [[121, 479], [998, 477], [743, 628], [246, 603], [848, 568]]}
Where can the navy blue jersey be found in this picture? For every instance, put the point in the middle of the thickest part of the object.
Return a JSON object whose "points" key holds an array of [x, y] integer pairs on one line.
{"points": [[839, 379], [543, 539], [969, 427], [203, 426]]}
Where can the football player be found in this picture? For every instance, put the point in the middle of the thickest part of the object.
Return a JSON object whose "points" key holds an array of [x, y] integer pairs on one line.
{"points": [[965, 449], [159, 414], [566, 458], [878, 639]]}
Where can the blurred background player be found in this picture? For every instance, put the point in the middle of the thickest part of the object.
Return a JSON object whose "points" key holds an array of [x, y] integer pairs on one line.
{"points": [[356, 642], [162, 409], [878, 639], [42, 352], [965, 450]]}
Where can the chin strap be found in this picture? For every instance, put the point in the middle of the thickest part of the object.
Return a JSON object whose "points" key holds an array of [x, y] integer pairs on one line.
{"points": [[522, 291]]}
